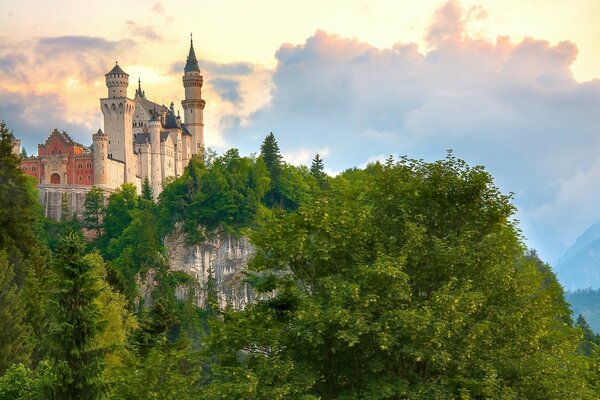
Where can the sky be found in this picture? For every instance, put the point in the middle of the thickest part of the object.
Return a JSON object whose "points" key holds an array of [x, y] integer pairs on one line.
{"points": [[511, 85]]}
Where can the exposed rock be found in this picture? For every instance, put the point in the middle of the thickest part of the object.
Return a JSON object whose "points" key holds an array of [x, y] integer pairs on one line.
{"points": [[223, 256]]}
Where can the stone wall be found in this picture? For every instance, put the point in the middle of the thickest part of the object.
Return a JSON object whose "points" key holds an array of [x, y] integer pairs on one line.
{"points": [[222, 255], [51, 198]]}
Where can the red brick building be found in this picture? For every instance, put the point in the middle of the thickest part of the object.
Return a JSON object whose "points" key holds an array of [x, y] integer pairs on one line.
{"points": [[61, 161]]}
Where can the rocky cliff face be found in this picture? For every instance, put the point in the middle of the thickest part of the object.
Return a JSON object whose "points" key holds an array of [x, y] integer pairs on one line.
{"points": [[223, 256]]}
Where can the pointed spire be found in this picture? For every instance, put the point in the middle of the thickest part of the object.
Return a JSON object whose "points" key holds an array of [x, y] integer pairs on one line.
{"points": [[191, 64], [139, 92]]}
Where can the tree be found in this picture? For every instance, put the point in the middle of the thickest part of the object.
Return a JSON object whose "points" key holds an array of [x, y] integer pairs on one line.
{"points": [[14, 346], [270, 154], [119, 212], [94, 210], [147, 192], [75, 325], [589, 340], [19, 207], [317, 169], [404, 280]]}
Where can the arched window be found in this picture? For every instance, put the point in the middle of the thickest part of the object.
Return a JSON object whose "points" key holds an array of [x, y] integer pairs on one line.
{"points": [[33, 168], [55, 179], [79, 165], [89, 165]]}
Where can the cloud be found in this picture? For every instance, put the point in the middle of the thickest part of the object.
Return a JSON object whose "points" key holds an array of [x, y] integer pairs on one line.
{"points": [[158, 8], [27, 117], [81, 57], [511, 106], [143, 31], [228, 89]]}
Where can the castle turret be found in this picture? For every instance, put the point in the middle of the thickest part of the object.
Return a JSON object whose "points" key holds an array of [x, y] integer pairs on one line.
{"points": [[101, 172], [193, 105], [156, 177], [118, 113]]}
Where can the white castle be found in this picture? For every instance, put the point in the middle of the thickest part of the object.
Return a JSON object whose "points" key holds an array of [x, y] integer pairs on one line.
{"points": [[142, 139]]}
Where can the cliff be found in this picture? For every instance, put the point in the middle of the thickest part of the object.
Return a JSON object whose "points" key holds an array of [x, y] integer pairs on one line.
{"points": [[223, 256]]}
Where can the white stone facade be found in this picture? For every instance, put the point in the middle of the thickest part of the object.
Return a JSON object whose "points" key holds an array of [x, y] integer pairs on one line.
{"points": [[142, 139]]}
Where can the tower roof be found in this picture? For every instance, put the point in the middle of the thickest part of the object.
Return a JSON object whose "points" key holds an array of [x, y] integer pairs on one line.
{"points": [[117, 70], [191, 64]]}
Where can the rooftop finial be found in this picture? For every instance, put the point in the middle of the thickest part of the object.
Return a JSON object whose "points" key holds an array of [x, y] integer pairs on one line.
{"points": [[191, 39]]}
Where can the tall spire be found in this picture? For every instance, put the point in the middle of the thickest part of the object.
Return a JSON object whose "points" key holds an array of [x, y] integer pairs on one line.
{"points": [[191, 64], [139, 92]]}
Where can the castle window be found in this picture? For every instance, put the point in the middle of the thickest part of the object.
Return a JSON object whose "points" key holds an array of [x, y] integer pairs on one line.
{"points": [[89, 178], [79, 177], [24, 167], [89, 165], [33, 168], [80, 165]]}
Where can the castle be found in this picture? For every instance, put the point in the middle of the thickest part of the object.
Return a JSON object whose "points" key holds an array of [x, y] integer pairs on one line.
{"points": [[141, 140]]}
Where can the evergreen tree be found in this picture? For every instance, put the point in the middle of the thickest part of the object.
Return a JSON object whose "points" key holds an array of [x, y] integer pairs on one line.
{"points": [[19, 207], [317, 170], [75, 325], [270, 154], [94, 210], [14, 346], [147, 192], [586, 346]]}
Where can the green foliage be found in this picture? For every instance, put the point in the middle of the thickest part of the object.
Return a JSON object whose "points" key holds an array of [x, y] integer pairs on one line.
{"points": [[19, 207], [408, 280], [223, 192], [317, 170], [14, 347], [21, 383], [119, 212], [166, 372], [94, 210], [75, 325], [147, 192]]}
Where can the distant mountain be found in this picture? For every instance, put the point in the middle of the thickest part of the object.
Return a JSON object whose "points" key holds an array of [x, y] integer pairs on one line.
{"points": [[587, 303], [579, 267]]}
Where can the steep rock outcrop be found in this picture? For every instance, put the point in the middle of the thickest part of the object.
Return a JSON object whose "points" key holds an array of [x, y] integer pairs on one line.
{"points": [[223, 256]]}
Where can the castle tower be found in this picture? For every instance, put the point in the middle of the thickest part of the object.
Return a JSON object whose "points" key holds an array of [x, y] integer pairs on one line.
{"points": [[193, 105], [100, 146], [156, 162], [118, 113]]}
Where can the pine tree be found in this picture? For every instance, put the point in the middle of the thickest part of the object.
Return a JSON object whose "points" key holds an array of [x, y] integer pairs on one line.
{"points": [[94, 210], [147, 192], [586, 344], [65, 210], [317, 170], [19, 207], [14, 347], [75, 324], [269, 152]]}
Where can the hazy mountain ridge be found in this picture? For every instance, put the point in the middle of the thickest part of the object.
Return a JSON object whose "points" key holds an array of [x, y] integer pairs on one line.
{"points": [[579, 267]]}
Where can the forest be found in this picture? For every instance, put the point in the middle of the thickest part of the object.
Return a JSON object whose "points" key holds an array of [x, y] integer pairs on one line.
{"points": [[402, 280]]}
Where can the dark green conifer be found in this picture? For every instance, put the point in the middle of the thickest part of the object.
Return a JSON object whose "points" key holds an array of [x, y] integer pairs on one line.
{"points": [[94, 210], [75, 325], [317, 169]]}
